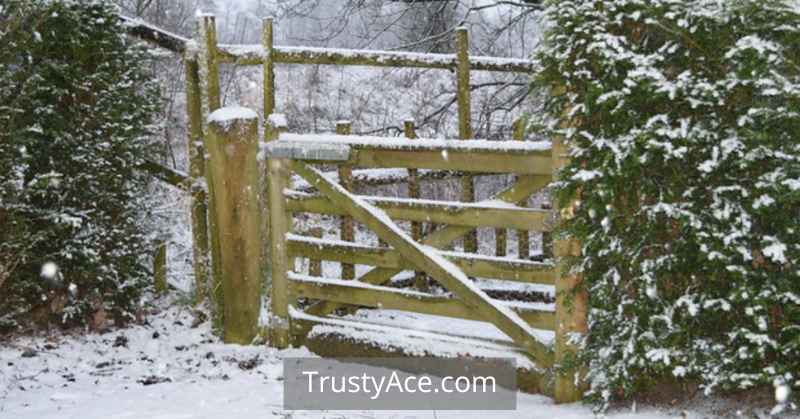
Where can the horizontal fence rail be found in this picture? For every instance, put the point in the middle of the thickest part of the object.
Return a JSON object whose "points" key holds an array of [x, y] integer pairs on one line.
{"points": [[256, 54], [480, 156], [472, 264], [479, 214], [360, 294]]}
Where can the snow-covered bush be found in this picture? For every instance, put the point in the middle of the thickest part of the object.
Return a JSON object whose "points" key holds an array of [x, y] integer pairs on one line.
{"points": [[684, 122], [76, 107]]}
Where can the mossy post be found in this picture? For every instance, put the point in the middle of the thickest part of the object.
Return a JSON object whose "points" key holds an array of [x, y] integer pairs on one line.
{"points": [[465, 123], [208, 71], [199, 207], [523, 236], [232, 144], [346, 179], [208, 61], [571, 299], [269, 67], [160, 267]]}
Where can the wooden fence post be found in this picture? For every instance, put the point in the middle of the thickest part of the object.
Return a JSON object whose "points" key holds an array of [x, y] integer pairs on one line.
{"points": [[280, 221], [269, 68], [346, 179], [232, 143], [160, 267], [209, 63], [197, 188], [420, 280], [208, 72], [465, 123], [571, 300], [523, 236]]}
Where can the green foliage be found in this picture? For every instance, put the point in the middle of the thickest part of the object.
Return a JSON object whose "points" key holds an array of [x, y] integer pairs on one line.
{"points": [[76, 110], [683, 117]]}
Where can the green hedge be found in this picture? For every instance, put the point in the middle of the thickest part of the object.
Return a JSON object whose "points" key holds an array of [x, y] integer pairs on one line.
{"points": [[684, 121], [76, 108]]}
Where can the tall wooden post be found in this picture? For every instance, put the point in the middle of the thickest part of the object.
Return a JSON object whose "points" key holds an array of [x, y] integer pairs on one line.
{"points": [[414, 193], [280, 221], [269, 68], [232, 144], [196, 152], [209, 64], [571, 300], [523, 236], [208, 72], [465, 123], [346, 179]]}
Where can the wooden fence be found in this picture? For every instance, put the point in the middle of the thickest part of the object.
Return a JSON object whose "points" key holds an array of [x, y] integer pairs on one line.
{"points": [[230, 217]]}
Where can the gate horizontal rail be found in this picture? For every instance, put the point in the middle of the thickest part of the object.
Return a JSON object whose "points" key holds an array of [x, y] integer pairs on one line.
{"points": [[508, 269]]}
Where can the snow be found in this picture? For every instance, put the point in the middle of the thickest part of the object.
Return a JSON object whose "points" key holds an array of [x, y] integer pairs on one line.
{"points": [[502, 259], [490, 284], [294, 276], [49, 270], [73, 289], [85, 376], [776, 250], [134, 22], [375, 175], [419, 335], [227, 114], [782, 392], [450, 205], [277, 120], [326, 241], [418, 144]]}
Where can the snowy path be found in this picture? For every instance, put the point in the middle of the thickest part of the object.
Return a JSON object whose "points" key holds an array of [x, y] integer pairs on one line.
{"points": [[104, 376]]}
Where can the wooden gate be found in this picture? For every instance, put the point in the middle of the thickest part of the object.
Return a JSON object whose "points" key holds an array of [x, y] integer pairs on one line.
{"points": [[533, 330]]}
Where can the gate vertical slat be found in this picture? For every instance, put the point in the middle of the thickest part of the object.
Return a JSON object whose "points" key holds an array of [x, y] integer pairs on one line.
{"points": [[279, 226], [346, 179], [198, 203]]}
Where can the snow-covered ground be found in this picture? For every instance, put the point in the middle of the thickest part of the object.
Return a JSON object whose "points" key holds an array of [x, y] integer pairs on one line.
{"points": [[168, 369]]}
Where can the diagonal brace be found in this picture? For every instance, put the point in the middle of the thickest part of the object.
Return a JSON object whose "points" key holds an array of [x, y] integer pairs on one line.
{"points": [[518, 192]]}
